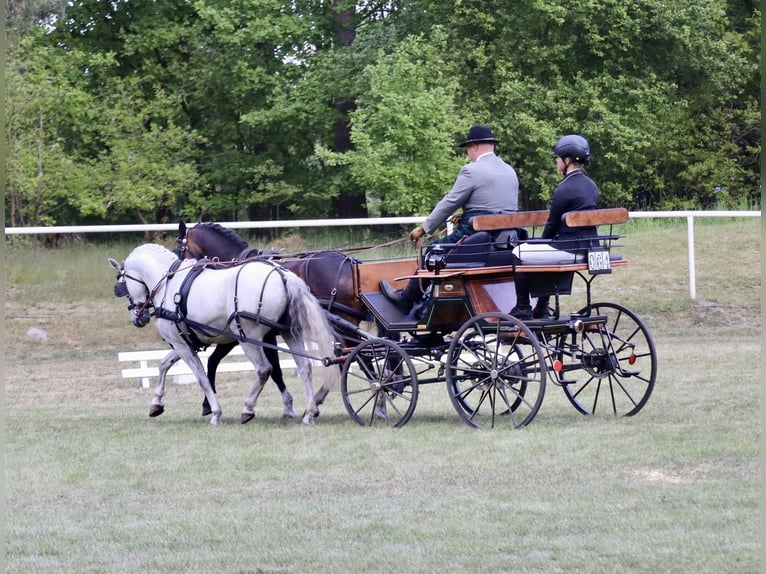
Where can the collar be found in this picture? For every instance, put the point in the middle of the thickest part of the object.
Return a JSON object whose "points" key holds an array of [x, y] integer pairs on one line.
{"points": [[483, 155], [573, 172]]}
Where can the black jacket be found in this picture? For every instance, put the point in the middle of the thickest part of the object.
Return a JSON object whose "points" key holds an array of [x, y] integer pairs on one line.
{"points": [[576, 192]]}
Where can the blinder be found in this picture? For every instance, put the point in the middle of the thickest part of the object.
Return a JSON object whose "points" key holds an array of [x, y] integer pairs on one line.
{"points": [[141, 311], [121, 289]]}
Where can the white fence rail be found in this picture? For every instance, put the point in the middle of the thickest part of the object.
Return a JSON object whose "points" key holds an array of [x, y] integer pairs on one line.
{"points": [[688, 215], [145, 365]]}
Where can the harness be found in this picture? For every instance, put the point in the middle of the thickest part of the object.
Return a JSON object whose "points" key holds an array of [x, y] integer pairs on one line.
{"points": [[331, 304], [146, 309], [247, 254], [194, 328]]}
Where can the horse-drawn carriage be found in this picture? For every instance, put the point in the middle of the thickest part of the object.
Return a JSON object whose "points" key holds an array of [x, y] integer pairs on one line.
{"points": [[495, 366]]}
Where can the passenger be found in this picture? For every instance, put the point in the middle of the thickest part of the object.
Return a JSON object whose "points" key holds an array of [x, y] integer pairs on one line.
{"points": [[576, 192], [487, 185]]}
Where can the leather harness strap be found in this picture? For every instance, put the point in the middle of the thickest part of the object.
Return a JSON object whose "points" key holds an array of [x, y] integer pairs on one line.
{"points": [[190, 335]]}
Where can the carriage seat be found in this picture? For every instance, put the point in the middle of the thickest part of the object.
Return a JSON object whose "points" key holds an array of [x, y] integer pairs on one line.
{"points": [[485, 249], [470, 252]]}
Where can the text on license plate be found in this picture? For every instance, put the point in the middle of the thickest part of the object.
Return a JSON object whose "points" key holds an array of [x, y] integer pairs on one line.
{"points": [[599, 262]]}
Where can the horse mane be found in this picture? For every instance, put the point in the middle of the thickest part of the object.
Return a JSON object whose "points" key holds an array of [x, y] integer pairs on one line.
{"points": [[160, 249], [154, 247], [224, 232]]}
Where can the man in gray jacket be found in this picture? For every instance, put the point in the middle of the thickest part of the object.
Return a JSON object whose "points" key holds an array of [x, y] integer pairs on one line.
{"points": [[485, 186]]}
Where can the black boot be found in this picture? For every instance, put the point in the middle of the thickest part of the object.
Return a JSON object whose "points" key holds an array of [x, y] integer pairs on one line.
{"points": [[522, 310], [396, 296], [542, 310]]}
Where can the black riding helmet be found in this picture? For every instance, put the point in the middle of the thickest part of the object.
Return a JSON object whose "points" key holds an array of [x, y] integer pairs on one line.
{"points": [[574, 147]]}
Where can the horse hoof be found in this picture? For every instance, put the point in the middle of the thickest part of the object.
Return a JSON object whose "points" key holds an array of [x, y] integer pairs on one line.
{"points": [[206, 411], [308, 420], [246, 418], [156, 410], [306, 414]]}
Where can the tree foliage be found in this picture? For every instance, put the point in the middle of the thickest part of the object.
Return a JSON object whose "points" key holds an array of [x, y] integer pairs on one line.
{"points": [[151, 110]]}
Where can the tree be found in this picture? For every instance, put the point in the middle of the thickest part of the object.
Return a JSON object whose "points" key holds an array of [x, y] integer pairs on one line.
{"points": [[259, 108], [404, 130], [641, 80], [77, 154]]}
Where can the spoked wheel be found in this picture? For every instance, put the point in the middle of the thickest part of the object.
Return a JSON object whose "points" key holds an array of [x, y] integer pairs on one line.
{"points": [[496, 372], [379, 384], [619, 361]]}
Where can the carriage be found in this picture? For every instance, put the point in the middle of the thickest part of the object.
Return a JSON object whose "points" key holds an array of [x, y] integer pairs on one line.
{"points": [[496, 367]]}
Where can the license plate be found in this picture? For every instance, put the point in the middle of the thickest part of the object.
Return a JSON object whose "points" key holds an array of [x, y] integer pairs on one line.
{"points": [[599, 261]]}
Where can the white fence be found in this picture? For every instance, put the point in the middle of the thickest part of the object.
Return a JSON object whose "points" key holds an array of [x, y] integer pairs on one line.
{"points": [[688, 215], [145, 365]]}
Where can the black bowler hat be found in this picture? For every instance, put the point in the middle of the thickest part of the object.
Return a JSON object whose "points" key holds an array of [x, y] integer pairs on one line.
{"points": [[478, 134]]}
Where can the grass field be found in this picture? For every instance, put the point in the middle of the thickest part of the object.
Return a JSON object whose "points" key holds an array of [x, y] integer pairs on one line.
{"points": [[94, 485]]}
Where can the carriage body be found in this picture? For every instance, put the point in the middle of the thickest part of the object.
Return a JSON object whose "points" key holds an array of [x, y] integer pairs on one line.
{"points": [[495, 365]]}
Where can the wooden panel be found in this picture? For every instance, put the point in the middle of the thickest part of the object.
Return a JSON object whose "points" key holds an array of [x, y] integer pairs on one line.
{"points": [[510, 220], [492, 295], [448, 288], [371, 272], [597, 217], [562, 268]]}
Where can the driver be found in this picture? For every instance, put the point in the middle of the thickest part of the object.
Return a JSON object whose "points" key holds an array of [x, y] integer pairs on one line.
{"points": [[484, 186]]}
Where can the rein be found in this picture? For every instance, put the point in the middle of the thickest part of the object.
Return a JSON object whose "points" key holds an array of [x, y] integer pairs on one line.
{"points": [[326, 361]]}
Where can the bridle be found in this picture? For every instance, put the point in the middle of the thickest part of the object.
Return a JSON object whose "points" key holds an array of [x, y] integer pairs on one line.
{"points": [[143, 311], [182, 244]]}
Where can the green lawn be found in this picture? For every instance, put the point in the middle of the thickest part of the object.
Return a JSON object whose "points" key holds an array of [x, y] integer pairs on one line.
{"points": [[94, 485]]}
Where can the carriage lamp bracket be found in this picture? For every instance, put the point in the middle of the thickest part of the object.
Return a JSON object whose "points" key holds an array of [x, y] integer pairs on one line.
{"points": [[436, 259]]}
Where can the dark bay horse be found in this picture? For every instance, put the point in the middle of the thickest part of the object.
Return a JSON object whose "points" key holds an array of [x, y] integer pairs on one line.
{"points": [[328, 274]]}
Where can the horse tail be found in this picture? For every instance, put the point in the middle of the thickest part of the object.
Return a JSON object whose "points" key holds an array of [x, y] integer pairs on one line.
{"points": [[308, 322]]}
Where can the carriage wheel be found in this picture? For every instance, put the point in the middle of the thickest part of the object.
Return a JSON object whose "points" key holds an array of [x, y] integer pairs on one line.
{"points": [[619, 361], [495, 372], [379, 384]]}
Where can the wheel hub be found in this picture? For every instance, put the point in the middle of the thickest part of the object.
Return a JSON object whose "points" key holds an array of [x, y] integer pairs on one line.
{"points": [[598, 363]]}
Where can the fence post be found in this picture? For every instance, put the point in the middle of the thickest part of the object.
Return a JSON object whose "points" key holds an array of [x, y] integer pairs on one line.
{"points": [[690, 238]]}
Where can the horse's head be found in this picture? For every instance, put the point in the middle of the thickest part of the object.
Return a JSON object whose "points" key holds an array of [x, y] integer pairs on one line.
{"points": [[144, 266], [208, 240], [140, 313]]}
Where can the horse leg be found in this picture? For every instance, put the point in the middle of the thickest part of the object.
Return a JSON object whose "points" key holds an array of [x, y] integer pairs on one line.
{"points": [[169, 332], [157, 406], [262, 371], [204, 382], [221, 350], [321, 394], [195, 364], [303, 365], [272, 356]]}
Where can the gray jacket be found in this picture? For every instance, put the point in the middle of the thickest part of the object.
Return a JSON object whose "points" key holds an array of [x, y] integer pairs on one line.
{"points": [[488, 185]]}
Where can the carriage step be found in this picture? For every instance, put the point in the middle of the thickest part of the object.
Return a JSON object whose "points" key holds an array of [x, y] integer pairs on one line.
{"points": [[563, 382], [388, 313], [425, 343]]}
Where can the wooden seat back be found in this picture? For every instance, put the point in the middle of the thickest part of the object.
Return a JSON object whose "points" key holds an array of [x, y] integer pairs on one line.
{"points": [[510, 220], [597, 217]]}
